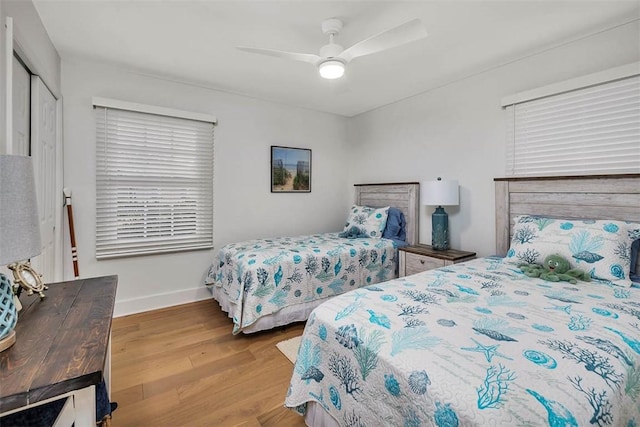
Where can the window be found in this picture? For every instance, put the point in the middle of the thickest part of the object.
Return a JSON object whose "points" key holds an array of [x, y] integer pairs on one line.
{"points": [[154, 180], [586, 126]]}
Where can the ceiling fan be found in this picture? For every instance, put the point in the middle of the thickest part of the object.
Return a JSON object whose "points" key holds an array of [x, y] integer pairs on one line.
{"points": [[333, 57]]}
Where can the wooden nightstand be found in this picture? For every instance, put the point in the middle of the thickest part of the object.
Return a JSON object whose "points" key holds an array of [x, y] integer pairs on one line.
{"points": [[62, 351], [418, 258]]}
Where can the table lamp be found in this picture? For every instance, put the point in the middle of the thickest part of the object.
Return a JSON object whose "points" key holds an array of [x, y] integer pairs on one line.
{"points": [[439, 193], [19, 237]]}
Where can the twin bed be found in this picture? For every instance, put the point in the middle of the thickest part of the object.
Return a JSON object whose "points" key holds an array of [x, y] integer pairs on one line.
{"points": [[480, 343], [266, 283]]}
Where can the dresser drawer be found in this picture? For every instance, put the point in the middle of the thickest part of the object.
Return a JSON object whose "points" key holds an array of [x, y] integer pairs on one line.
{"points": [[415, 263]]}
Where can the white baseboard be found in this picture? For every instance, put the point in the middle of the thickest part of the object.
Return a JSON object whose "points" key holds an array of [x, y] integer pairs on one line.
{"points": [[153, 302]]}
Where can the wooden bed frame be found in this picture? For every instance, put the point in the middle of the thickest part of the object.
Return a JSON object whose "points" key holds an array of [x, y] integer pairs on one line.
{"points": [[402, 195], [615, 197]]}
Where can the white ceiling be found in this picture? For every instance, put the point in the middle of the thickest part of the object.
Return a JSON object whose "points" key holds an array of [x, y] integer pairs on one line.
{"points": [[195, 41]]}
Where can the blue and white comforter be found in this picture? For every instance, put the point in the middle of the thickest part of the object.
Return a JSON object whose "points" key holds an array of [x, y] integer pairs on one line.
{"points": [[260, 277], [476, 343]]}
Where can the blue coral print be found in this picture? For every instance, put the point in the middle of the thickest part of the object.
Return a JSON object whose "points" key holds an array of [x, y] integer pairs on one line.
{"points": [[611, 228], [541, 359], [260, 277], [558, 354], [392, 385], [617, 271]]}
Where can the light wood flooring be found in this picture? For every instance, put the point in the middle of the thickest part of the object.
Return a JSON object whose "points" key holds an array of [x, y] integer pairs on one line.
{"points": [[181, 366]]}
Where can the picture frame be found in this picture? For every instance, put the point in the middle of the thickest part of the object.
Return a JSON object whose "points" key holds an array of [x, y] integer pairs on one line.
{"points": [[290, 170]]}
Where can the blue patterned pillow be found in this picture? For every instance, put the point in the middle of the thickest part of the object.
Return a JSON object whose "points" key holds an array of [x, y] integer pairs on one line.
{"points": [[599, 247], [367, 220]]}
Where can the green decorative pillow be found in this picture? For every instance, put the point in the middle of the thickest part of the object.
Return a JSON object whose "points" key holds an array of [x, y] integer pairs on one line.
{"points": [[600, 247], [367, 220]]}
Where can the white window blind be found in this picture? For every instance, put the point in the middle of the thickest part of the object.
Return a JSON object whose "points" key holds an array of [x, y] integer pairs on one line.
{"points": [[587, 131], [154, 183]]}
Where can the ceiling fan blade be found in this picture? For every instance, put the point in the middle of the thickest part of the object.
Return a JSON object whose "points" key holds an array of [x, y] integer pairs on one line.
{"points": [[304, 57], [404, 33]]}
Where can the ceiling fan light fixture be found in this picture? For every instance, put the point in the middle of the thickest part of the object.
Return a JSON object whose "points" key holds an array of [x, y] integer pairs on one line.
{"points": [[331, 69]]}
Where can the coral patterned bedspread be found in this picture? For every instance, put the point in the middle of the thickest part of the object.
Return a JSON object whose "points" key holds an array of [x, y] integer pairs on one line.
{"points": [[476, 344], [260, 277]]}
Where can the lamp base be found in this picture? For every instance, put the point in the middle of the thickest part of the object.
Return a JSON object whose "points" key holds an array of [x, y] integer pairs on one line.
{"points": [[8, 341], [440, 229]]}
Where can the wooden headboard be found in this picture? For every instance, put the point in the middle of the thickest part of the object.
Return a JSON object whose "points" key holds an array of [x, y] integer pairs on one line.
{"points": [[614, 197], [402, 195]]}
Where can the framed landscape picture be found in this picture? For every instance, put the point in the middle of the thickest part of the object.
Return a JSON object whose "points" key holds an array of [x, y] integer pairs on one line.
{"points": [[290, 170]]}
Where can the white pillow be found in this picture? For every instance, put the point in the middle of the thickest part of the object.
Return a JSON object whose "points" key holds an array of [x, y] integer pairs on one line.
{"points": [[367, 220], [602, 248]]}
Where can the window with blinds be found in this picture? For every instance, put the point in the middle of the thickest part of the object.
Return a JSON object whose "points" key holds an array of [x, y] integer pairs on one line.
{"points": [[154, 183], [586, 131]]}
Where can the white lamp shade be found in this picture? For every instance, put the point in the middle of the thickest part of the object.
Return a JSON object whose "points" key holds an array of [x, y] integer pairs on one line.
{"points": [[19, 223], [439, 193], [331, 69]]}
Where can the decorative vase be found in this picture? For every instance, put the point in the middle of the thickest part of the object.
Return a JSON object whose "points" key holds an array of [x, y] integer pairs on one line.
{"points": [[8, 314]]}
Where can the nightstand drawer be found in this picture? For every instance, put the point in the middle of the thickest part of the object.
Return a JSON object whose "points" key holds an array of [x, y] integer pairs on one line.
{"points": [[415, 263], [418, 258]]}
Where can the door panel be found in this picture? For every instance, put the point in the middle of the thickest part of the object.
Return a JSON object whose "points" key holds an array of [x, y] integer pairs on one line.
{"points": [[21, 109], [43, 150]]}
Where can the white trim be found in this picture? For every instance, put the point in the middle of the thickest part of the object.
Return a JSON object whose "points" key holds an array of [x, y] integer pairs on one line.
{"points": [[84, 403], [154, 302], [59, 233], [151, 109], [67, 414], [8, 45], [611, 74]]}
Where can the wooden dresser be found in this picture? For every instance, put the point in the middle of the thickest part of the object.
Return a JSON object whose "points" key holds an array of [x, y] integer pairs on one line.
{"points": [[62, 350], [418, 258]]}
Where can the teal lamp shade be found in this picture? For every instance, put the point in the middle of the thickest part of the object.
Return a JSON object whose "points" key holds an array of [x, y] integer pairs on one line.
{"points": [[439, 193], [19, 232]]}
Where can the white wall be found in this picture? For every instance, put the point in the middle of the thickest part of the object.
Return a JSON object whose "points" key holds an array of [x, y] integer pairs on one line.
{"points": [[457, 131], [244, 206]]}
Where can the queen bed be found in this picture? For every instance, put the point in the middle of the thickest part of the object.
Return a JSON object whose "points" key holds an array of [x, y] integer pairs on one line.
{"points": [[266, 283], [480, 343]]}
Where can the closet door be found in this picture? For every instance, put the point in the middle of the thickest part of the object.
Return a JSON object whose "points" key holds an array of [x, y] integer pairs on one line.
{"points": [[21, 123], [43, 150]]}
